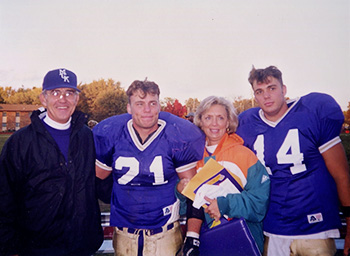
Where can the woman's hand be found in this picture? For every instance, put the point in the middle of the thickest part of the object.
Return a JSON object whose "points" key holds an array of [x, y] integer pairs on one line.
{"points": [[182, 184], [213, 208]]}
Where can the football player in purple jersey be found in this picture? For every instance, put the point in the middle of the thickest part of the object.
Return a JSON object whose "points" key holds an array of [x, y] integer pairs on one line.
{"points": [[298, 141], [147, 152]]}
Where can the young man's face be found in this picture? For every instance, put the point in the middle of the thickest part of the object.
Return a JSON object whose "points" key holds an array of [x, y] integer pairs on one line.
{"points": [[270, 98], [144, 111], [60, 103]]}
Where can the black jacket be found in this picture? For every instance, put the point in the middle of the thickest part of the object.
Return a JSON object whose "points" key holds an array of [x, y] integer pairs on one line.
{"points": [[48, 206]]}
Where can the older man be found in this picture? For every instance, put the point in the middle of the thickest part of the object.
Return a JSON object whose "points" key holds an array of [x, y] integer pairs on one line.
{"points": [[48, 200]]}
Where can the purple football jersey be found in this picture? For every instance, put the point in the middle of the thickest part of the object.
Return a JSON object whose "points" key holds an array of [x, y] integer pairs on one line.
{"points": [[145, 175], [303, 198]]}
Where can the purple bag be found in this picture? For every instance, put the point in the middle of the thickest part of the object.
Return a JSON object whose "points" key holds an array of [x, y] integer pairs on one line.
{"points": [[231, 238]]}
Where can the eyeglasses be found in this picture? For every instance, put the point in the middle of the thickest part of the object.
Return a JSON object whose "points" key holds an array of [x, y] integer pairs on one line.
{"points": [[57, 94]]}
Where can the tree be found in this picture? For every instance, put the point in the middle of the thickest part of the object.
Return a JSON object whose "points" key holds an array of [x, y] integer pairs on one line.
{"points": [[110, 103], [347, 116], [167, 100], [101, 99], [243, 104], [5, 93], [175, 108], [23, 96], [192, 105]]}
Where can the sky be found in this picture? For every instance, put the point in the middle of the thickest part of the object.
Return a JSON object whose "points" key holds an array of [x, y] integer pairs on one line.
{"points": [[190, 48]]}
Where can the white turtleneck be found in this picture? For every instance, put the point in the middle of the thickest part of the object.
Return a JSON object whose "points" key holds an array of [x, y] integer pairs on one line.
{"points": [[211, 148], [55, 124]]}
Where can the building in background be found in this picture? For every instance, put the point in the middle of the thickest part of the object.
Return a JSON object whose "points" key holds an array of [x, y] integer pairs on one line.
{"points": [[15, 116]]}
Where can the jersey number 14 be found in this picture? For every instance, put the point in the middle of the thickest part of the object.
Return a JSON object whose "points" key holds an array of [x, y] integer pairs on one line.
{"points": [[288, 153]]}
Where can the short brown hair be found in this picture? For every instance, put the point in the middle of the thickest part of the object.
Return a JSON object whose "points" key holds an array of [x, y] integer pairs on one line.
{"points": [[146, 87], [262, 75]]}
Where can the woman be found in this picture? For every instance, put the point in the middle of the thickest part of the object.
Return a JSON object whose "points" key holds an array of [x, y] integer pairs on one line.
{"points": [[217, 118]]}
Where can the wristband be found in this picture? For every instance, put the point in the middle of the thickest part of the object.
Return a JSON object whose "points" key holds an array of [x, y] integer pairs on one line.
{"points": [[192, 234], [346, 211]]}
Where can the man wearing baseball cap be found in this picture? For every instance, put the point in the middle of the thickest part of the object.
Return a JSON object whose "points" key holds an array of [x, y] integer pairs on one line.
{"points": [[190, 117], [48, 200]]}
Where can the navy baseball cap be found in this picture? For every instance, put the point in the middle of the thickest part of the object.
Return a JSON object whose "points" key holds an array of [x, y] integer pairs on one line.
{"points": [[190, 114], [60, 78]]}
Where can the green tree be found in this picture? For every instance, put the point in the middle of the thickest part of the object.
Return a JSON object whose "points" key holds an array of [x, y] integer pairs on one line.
{"points": [[110, 103], [101, 99]]}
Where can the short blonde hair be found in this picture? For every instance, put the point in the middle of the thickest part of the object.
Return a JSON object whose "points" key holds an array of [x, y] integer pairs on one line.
{"points": [[214, 100]]}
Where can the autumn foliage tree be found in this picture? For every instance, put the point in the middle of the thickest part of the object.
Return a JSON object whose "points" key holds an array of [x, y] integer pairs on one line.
{"points": [[243, 104], [175, 107], [347, 115], [104, 98], [101, 99], [20, 96], [110, 103], [192, 105], [5, 93]]}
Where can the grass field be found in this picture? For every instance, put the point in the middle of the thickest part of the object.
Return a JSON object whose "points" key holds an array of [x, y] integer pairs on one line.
{"points": [[3, 138]]}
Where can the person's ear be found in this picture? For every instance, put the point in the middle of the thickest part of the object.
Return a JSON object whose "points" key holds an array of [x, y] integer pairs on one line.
{"points": [[284, 90], [128, 108], [43, 99]]}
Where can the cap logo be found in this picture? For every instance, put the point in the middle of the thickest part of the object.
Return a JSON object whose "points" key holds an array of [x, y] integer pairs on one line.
{"points": [[64, 76]]}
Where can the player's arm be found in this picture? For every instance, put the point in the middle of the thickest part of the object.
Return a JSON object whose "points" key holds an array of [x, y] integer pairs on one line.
{"points": [[101, 173], [194, 222], [195, 219], [338, 167], [185, 177], [188, 174]]}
